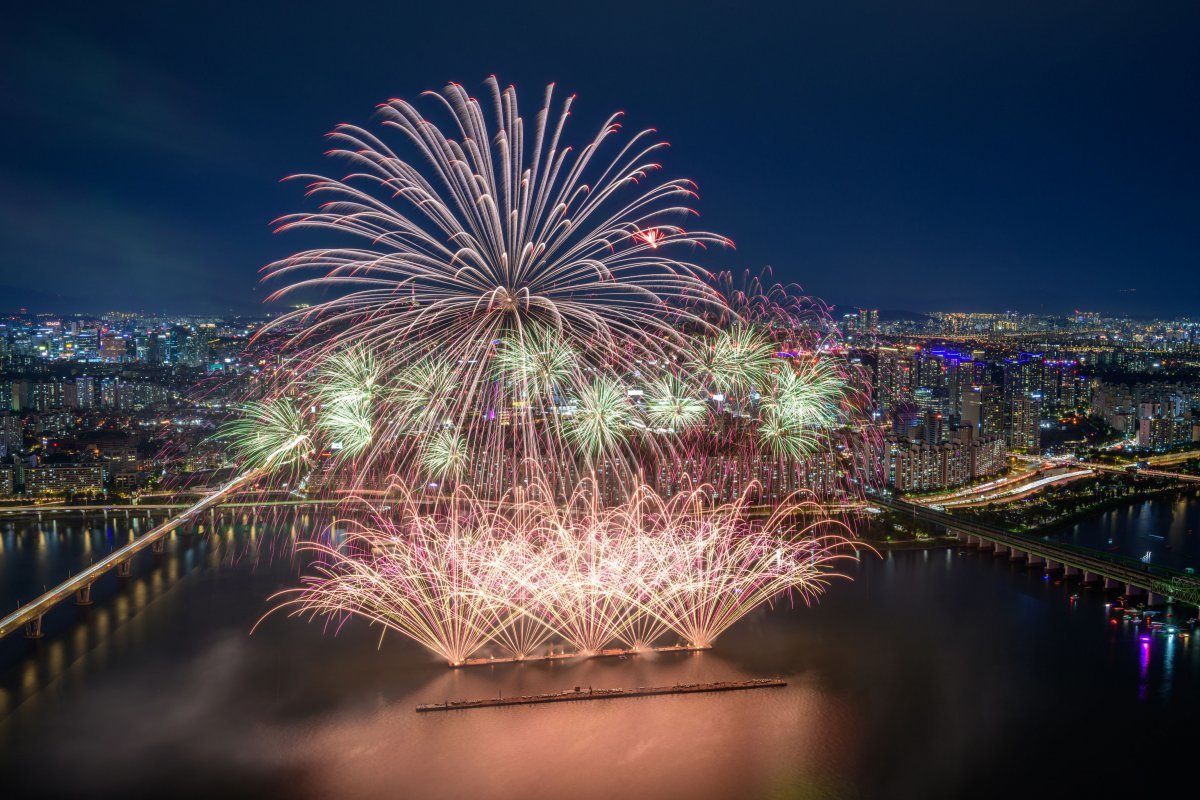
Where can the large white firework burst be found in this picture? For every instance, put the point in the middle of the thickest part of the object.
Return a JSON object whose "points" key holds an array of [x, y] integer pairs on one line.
{"points": [[492, 238]]}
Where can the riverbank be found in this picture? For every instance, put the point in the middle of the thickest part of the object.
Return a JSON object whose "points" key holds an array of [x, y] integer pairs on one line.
{"points": [[912, 544], [1055, 509], [1113, 504]]}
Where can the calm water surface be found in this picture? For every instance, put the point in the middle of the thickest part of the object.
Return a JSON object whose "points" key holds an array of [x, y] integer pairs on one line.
{"points": [[932, 674], [1168, 530]]}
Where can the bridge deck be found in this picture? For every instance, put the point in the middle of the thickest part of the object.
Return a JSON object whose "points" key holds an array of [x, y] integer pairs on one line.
{"points": [[117, 508], [1150, 577], [30, 612]]}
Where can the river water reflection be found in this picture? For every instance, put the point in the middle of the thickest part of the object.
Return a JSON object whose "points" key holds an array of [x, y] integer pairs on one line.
{"points": [[932, 674]]}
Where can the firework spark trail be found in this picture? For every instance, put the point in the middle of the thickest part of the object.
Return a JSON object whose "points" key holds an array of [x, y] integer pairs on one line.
{"points": [[792, 407], [528, 570], [511, 297], [494, 232], [515, 342], [270, 435], [427, 578]]}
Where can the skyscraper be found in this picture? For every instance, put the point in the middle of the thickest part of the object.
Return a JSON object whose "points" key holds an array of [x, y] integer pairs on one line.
{"points": [[895, 377], [1024, 418], [1023, 391]]}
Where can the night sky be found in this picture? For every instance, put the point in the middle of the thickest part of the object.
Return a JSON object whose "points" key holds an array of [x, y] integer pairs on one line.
{"points": [[1036, 156]]}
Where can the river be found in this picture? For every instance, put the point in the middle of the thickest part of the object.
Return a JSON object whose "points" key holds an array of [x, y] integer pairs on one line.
{"points": [[929, 674], [1166, 529]]}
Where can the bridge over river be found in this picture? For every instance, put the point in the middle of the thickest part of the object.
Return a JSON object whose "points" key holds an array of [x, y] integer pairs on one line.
{"points": [[1090, 565], [1087, 564], [29, 616]]}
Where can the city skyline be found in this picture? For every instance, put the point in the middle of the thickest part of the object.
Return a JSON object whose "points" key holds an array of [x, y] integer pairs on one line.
{"points": [[916, 169], [541, 400]]}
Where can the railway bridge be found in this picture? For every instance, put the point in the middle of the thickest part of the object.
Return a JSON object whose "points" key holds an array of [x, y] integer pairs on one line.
{"points": [[1156, 582]]}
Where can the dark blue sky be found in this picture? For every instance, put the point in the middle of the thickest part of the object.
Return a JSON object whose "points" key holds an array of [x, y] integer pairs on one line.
{"points": [[1039, 156]]}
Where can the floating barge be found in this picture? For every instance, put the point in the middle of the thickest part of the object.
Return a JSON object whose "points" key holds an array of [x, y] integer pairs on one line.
{"points": [[612, 652], [580, 693]]}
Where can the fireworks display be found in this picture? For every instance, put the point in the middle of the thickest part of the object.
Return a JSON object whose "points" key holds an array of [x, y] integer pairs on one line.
{"points": [[271, 435], [570, 421], [533, 571], [532, 274]]}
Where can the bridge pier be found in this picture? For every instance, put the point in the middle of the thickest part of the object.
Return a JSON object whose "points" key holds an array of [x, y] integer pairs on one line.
{"points": [[33, 628], [125, 568], [1055, 558], [83, 595], [158, 546]]}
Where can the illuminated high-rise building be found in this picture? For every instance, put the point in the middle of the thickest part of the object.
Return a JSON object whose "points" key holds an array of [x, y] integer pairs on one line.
{"points": [[895, 377], [1061, 384], [12, 434], [1022, 387], [1023, 423]]}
